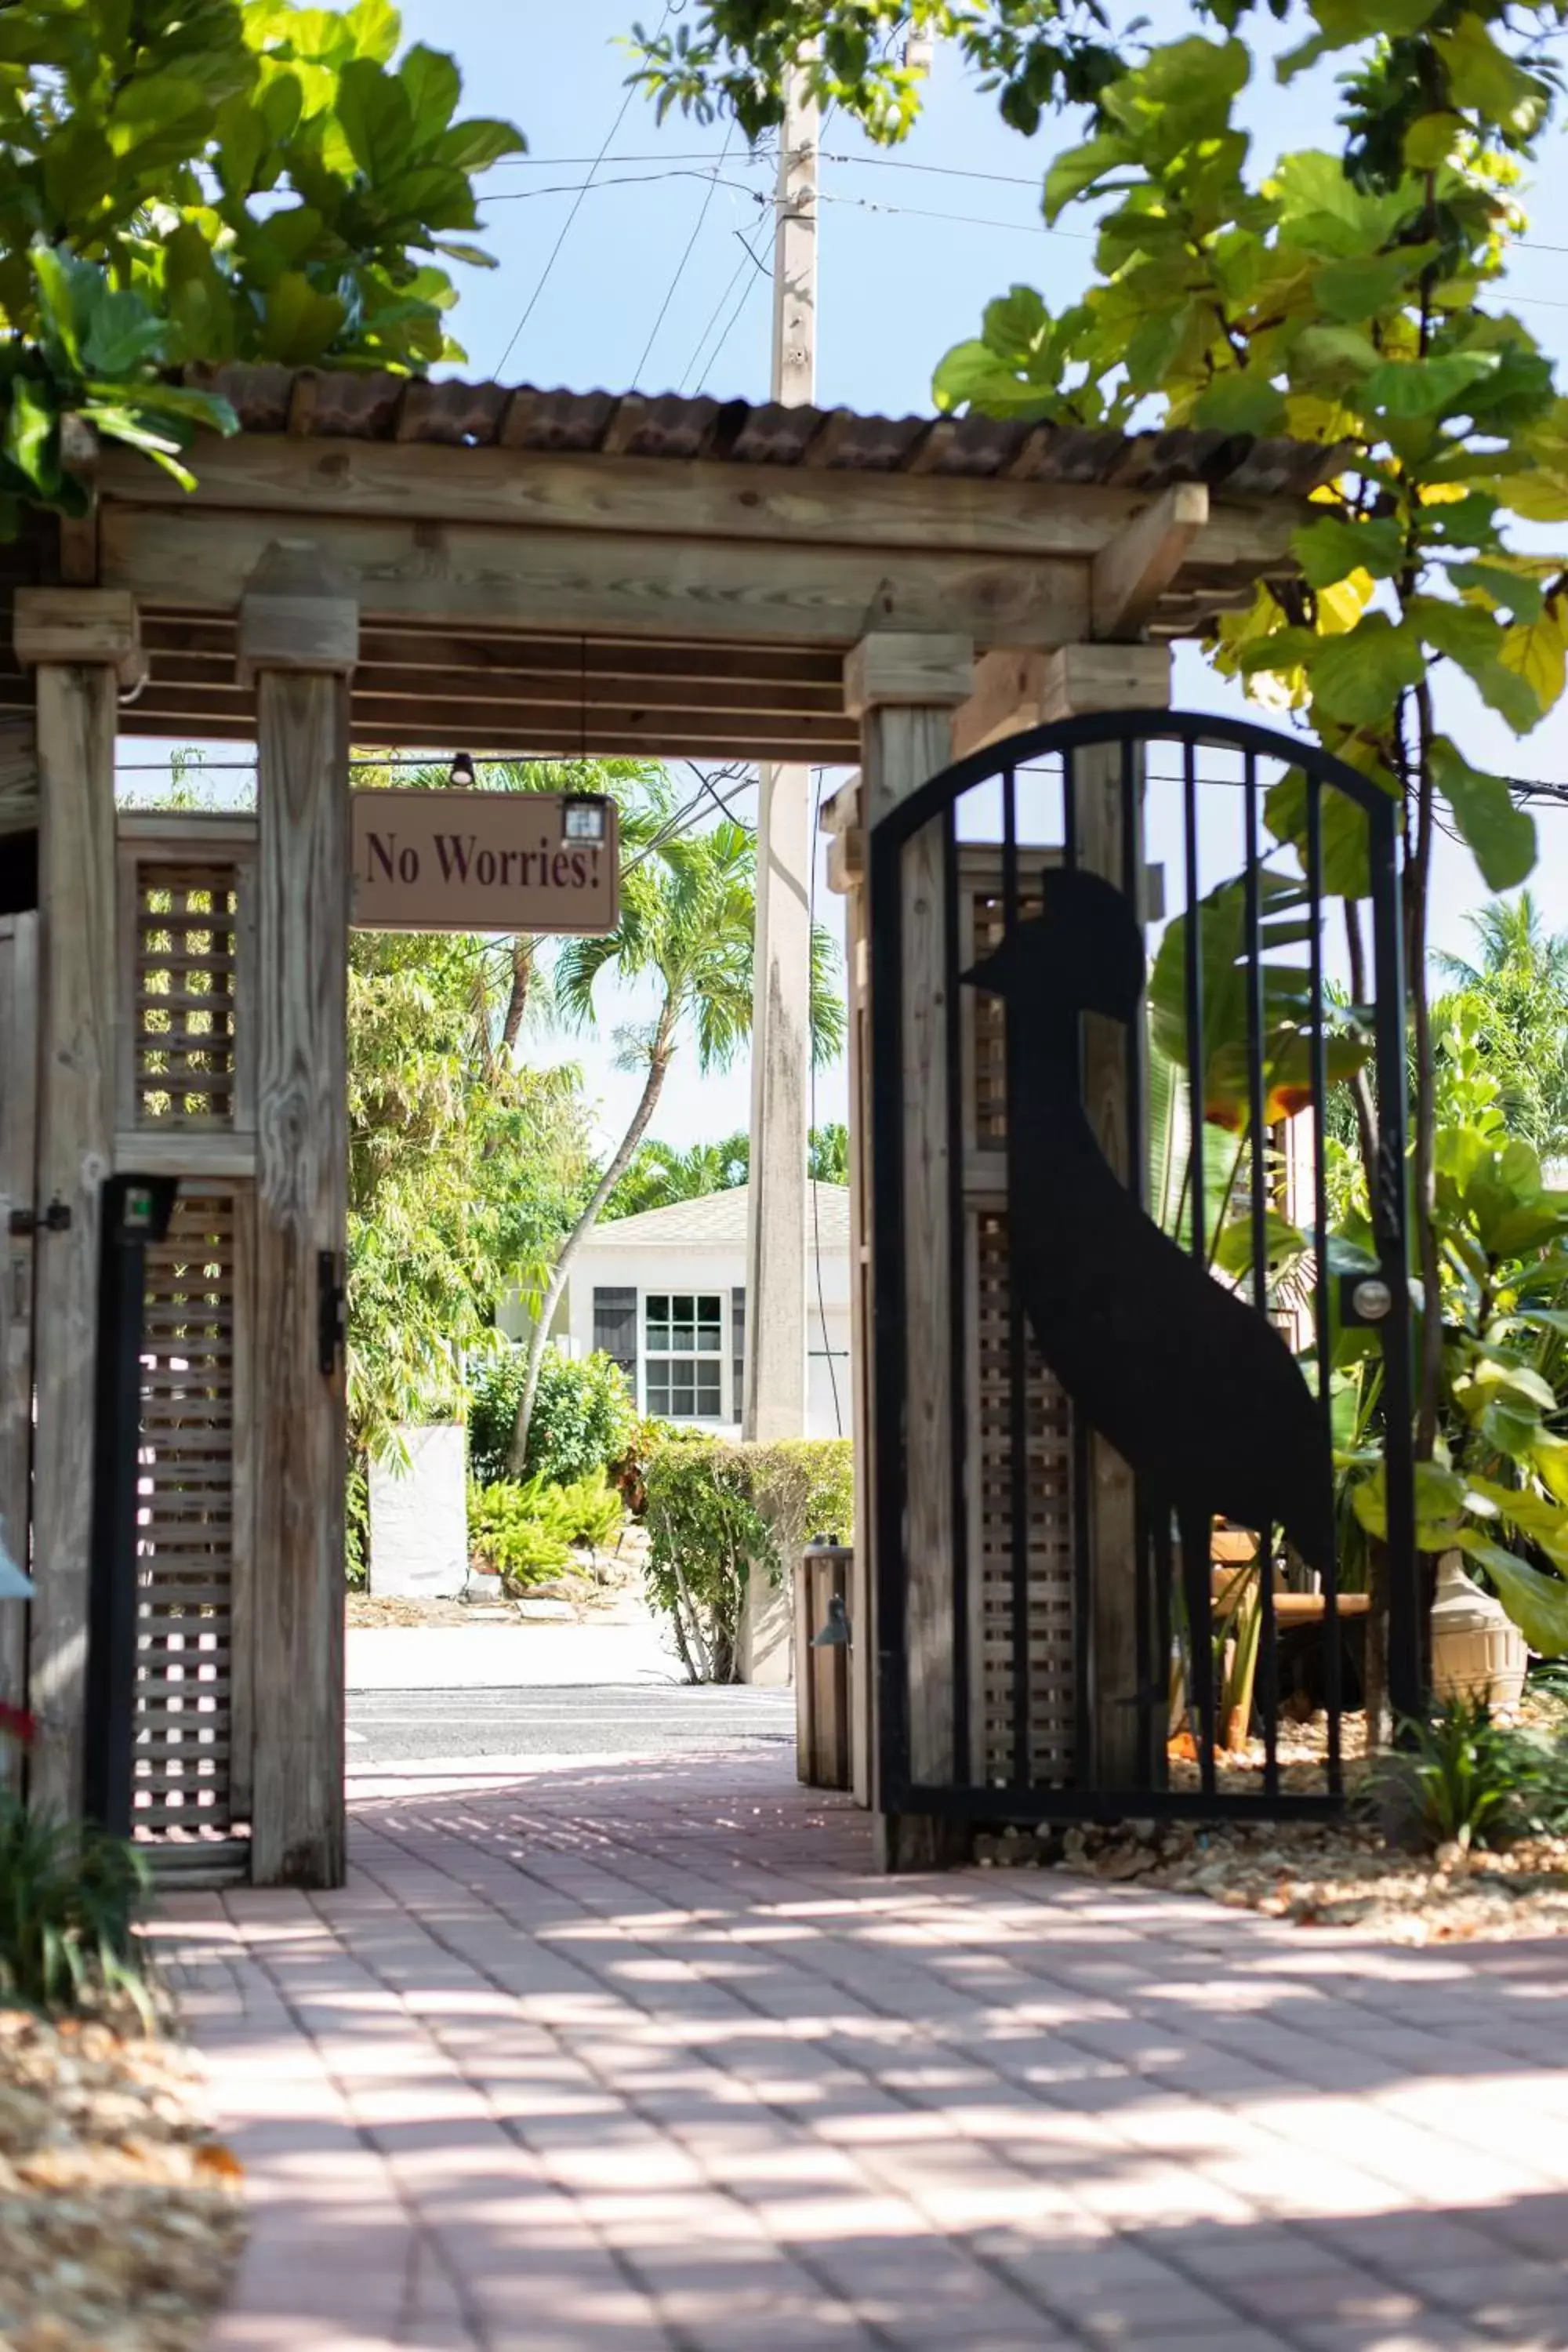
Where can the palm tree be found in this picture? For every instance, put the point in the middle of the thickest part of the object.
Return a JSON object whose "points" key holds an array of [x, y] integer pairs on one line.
{"points": [[661, 1172], [687, 920], [1516, 994], [1511, 936]]}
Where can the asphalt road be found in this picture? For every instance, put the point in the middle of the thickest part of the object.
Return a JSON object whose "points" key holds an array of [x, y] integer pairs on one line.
{"points": [[400, 1729]]}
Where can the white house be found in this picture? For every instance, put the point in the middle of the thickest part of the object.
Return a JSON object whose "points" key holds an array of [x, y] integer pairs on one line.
{"points": [[664, 1294]]}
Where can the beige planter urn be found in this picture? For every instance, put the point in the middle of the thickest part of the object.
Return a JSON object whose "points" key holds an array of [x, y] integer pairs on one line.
{"points": [[1478, 1651]]}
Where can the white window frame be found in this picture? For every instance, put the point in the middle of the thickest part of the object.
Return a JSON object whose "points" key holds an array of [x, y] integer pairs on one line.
{"points": [[719, 1356]]}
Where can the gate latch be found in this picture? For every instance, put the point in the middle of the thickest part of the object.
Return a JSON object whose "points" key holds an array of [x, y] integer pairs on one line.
{"points": [[55, 1219], [331, 1300]]}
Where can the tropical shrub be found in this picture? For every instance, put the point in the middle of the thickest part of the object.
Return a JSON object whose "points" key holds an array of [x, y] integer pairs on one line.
{"points": [[69, 1898], [628, 1471], [583, 1415], [524, 1531], [1461, 1779], [719, 1514]]}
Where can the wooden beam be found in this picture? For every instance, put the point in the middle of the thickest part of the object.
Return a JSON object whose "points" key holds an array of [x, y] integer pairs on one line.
{"points": [[80, 642], [903, 669], [302, 484], [1008, 687], [197, 559], [475, 652], [299, 1015], [1133, 571], [520, 740], [96, 626], [1082, 678], [297, 616], [525, 691]]}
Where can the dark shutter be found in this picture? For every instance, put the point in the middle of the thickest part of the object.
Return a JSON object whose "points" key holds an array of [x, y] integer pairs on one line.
{"points": [[615, 1330], [737, 1346]]}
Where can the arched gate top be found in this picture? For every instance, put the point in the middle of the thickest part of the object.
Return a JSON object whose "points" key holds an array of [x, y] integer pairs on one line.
{"points": [[1135, 727]]}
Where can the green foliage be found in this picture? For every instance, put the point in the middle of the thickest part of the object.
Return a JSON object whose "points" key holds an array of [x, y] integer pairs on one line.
{"points": [[1462, 1779], [718, 1513], [863, 56], [827, 1153], [583, 1415], [69, 1898], [524, 1531], [1510, 1007], [1496, 1487], [661, 1172], [193, 182], [1287, 1003], [628, 1471], [463, 1170]]}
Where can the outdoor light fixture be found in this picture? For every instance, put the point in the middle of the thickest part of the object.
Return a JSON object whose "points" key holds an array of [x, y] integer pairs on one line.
{"points": [[461, 772], [582, 817], [835, 1635]]}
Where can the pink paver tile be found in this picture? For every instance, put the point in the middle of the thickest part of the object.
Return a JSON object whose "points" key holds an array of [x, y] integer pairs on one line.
{"points": [[593, 2060]]}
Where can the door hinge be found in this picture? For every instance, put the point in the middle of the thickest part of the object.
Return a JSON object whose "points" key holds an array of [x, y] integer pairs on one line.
{"points": [[331, 1300], [55, 1219]]}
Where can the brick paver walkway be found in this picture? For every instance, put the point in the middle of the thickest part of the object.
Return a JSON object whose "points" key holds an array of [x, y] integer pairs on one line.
{"points": [[615, 2060]]}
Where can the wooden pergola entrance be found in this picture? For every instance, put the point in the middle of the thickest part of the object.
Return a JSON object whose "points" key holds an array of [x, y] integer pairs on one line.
{"points": [[412, 564]]}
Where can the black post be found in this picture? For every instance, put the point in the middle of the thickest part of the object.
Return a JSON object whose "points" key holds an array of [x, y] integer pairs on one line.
{"points": [[136, 1210]]}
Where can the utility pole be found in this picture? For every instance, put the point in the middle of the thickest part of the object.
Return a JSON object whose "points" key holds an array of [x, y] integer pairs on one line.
{"points": [[776, 1262]]}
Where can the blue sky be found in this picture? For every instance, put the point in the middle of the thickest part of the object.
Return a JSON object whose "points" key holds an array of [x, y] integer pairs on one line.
{"points": [[653, 284]]}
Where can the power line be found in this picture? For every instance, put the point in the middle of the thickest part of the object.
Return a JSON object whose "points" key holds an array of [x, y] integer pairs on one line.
{"points": [[544, 279], [715, 355], [662, 156], [908, 212], [670, 294], [748, 253], [580, 188]]}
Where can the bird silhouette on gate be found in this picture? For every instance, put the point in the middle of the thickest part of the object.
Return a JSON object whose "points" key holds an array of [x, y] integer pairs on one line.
{"points": [[1194, 1387]]}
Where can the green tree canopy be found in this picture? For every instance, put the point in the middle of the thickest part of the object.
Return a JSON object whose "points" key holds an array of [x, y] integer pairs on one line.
{"points": [[192, 182], [1510, 1006], [660, 1172]]}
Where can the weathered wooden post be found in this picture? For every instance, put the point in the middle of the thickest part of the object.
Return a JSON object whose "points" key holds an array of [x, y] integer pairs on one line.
{"points": [[299, 639], [83, 645], [903, 688]]}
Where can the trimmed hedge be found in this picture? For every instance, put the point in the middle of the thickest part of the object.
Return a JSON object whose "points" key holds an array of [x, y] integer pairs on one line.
{"points": [[719, 1513]]}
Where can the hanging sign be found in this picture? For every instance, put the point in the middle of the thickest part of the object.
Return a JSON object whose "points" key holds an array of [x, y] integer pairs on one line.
{"points": [[465, 861]]}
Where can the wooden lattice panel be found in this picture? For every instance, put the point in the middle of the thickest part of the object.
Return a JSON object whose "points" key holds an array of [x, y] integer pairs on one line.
{"points": [[187, 958], [1050, 1556], [185, 1522], [987, 1018]]}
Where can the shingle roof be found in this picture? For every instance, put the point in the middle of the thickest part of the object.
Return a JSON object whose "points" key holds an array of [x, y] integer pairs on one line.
{"points": [[341, 403], [715, 1221]]}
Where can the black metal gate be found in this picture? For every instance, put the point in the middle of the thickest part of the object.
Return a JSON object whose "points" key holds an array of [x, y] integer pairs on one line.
{"points": [[1039, 1652]]}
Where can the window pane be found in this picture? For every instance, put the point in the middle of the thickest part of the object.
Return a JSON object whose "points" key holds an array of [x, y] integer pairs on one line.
{"points": [[709, 1327], [708, 1404], [682, 1391], [659, 1389], [656, 1319]]}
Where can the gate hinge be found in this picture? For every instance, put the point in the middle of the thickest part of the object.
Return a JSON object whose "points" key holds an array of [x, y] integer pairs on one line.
{"points": [[331, 1300], [55, 1219]]}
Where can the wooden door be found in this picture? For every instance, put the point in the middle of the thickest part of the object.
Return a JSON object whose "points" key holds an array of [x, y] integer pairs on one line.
{"points": [[18, 1106]]}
